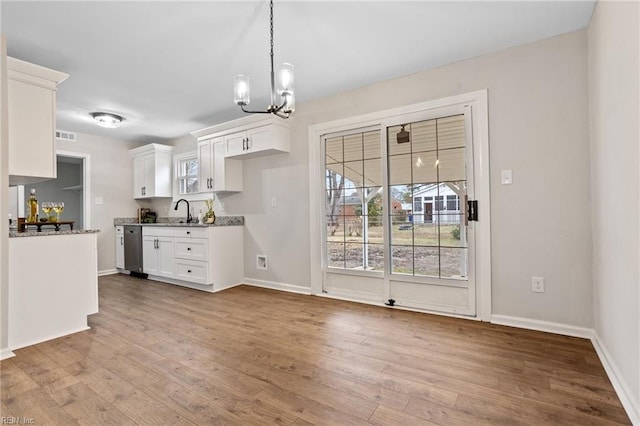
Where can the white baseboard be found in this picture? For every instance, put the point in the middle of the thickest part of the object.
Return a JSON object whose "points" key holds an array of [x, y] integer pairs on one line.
{"points": [[107, 272], [6, 353], [539, 325], [74, 330], [291, 288], [621, 387]]}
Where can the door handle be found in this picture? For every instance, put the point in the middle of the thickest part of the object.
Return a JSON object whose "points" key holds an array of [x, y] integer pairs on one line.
{"points": [[121, 241]]}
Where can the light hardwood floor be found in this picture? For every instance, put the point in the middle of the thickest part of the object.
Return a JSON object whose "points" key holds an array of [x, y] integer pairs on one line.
{"points": [[159, 354]]}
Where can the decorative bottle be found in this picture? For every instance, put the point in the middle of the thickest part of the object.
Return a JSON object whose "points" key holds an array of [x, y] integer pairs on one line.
{"points": [[32, 207]]}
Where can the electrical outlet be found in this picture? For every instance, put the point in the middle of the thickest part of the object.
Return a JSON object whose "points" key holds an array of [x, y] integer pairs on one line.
{"points": [[537, 284], [99, 201], [274, 202]]}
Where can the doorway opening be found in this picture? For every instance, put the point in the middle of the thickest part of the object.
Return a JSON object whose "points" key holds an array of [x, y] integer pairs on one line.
{"points": [[71, 186]]}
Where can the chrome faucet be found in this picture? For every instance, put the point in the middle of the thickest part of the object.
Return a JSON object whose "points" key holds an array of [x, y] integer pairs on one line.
{"points": [[189, 218]]}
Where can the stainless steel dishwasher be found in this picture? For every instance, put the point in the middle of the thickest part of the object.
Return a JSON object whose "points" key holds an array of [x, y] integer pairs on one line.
{"points": [[133, 249]]}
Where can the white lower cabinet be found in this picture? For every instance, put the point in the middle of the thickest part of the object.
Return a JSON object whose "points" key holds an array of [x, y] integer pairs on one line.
{"points": [[158, 252], [120, 247], [206, 258]]}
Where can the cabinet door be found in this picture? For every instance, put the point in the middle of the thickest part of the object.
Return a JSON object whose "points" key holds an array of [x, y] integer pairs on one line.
{"points": [[205, 166], [149, 176], [138, 177], [31, 130], [236, 143], [119, 250], [259, 139], [149, 255], [227, 173], [166, 256]]}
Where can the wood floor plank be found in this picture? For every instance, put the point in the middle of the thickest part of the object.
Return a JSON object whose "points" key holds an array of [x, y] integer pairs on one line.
{"points": [[159, 354], [388, 416], [14, 381]]}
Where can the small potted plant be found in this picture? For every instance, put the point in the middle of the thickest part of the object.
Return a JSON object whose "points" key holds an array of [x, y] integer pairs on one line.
{"points": [[209, 216]]}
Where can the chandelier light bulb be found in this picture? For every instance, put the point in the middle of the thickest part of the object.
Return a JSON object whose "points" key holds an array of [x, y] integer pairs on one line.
{"points": [[285, 78], [241, 89]]}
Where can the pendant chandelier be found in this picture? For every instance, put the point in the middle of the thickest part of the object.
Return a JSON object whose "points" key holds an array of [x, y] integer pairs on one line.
{"points": [[284, 89]]}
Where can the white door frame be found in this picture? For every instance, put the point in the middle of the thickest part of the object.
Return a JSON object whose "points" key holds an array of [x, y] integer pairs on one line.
{"points": [[86, 183], [480, 123]]}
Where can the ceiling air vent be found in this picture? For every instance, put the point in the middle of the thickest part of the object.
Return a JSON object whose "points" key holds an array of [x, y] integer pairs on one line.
{"points": [[65, 136]]}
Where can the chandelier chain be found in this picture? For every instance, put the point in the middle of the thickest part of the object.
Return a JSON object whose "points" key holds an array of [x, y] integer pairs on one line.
{"points": [[273, 89], [271, 23]]}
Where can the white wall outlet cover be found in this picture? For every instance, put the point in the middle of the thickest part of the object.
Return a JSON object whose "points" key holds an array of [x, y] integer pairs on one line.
{"points": [[537, 284], [99, 201], [507, 177], [274, 202]]}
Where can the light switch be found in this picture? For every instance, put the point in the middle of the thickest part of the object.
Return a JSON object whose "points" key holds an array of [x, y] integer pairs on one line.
{"points": [[99, 201], [507, 177]]}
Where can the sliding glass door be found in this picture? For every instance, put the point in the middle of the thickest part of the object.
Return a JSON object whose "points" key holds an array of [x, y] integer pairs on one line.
{"points": [[396, 225]]}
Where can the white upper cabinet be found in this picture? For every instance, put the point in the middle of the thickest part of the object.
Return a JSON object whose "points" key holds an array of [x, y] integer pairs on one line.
{"points": [[32, 121], [152, 171], [217, 173], [264, 140], [249, 138]]}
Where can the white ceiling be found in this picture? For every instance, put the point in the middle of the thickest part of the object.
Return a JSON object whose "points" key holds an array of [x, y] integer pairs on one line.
{"points": [[168, 66]]}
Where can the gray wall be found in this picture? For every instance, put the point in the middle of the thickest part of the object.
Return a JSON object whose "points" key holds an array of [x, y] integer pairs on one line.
{"points": [[614, 58], [110, 168], [538, 128], [69, 175]]}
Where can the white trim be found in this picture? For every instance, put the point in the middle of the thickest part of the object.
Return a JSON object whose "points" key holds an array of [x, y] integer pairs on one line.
{"points": [[618, 381], [46, 339], [546, 326], [86, 183], [6, 353], [354, 296], [108, 272], [175, 186], [478, 101], [291, 288]]}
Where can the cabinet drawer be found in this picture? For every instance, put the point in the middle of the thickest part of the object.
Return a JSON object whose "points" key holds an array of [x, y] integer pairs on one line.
{"points": [[195, 272], [192, 249], [191, 232], [157, 231]]}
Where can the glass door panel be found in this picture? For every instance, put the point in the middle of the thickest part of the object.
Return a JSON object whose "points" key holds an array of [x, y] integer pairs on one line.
{"points": [[427, 169]]}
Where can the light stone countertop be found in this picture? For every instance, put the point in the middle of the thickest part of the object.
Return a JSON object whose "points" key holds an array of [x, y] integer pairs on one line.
{"points": [[47, 233], [174, 221]]}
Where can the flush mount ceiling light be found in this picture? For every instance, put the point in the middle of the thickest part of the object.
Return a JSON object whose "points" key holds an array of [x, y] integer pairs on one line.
{"points": [[106, 119], [285, 86]]}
